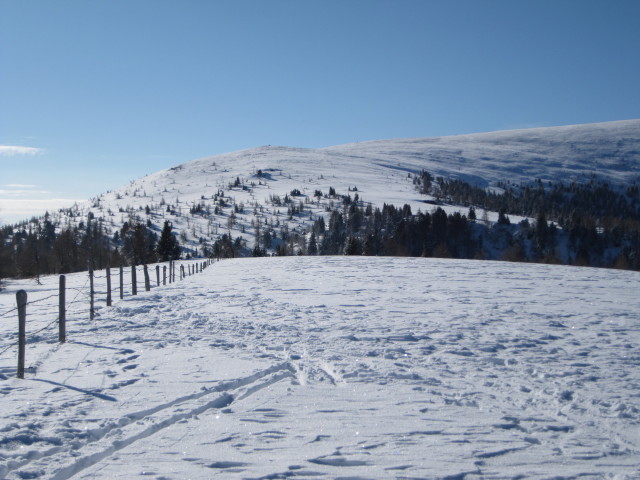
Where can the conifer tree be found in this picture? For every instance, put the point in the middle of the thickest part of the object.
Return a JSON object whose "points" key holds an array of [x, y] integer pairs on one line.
{"points": [[139, 244], [168, 246], [313, 245]]}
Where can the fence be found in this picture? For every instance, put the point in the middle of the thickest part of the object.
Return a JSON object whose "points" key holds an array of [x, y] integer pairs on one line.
{"points": [[22, 299]]}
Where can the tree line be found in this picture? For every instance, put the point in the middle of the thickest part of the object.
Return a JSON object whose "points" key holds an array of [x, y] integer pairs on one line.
{"points": [[38, 248], [592, 224], [600, 221], [579, 230]]}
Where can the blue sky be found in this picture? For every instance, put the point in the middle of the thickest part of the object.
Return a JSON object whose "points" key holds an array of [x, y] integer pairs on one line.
{"points": [[96, 93]]}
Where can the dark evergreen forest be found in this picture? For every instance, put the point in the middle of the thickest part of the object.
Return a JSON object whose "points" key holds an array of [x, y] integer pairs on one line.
{"points": [[600, 221], [589, 224], [38, 249]]}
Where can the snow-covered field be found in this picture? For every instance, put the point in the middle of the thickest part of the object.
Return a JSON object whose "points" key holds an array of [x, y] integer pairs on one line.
{"points": [[331, 367]]}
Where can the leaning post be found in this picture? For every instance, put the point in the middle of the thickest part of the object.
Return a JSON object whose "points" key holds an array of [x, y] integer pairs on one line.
{"points": [[147, 282]]}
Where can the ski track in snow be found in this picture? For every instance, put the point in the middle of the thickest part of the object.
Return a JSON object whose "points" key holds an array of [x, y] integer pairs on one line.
{"points": [[335, 367]]}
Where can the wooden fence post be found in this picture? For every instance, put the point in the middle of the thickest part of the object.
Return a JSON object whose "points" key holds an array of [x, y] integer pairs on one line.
{"points": [[134, 281], [164, 275], [62, 312], [158, 274], [170, 265], [108, 287], [91, 294], [181, 272], [147, 283], [121, 283], [21, 298]]}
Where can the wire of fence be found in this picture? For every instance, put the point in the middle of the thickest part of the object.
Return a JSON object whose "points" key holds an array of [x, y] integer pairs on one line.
{"points": [[8, 312], [46, 327], [9, 347], [81, 296]]}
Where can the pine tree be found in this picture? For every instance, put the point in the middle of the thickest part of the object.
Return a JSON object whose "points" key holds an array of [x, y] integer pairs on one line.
{"points": [[313, 245], [139, 245], [352, 246], [168, 246]]}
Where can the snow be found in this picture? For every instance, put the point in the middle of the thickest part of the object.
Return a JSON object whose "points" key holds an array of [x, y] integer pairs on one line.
{"points": [[330, 367], [570, 153], [378, 169]]}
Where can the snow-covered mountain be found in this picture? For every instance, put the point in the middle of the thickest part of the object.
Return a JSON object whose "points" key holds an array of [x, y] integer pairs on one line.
{"points": [[248, 183], [332, 367]]}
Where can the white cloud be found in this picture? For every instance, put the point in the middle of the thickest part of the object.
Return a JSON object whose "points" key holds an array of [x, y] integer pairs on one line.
{"points": [[13, 150], [21, 193], [18, 185]]}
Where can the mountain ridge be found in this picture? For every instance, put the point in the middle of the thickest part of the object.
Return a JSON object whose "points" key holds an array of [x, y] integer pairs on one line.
{"points": [[272, 196], [609, 150]]}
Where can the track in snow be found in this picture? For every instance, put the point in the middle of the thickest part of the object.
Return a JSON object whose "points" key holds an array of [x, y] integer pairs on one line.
{"points": [[362, 368]]}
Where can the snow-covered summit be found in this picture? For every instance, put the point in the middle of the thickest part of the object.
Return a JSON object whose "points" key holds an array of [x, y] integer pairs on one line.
{"points": [[246, 185], [610, 150]]}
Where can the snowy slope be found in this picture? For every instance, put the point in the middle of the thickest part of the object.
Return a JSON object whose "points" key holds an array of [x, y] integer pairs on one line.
{"points": [[379, 170], [332, 367], [610, 150]]}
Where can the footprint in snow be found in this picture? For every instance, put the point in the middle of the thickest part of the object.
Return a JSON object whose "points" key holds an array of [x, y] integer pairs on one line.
{"points": [[128, 359], [338, 461], [225, 465]]}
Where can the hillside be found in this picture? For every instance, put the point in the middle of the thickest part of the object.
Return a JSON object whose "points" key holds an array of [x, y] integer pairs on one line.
{"points": [[379, 170], [269, 197], [330, 367], [571, 153]]}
